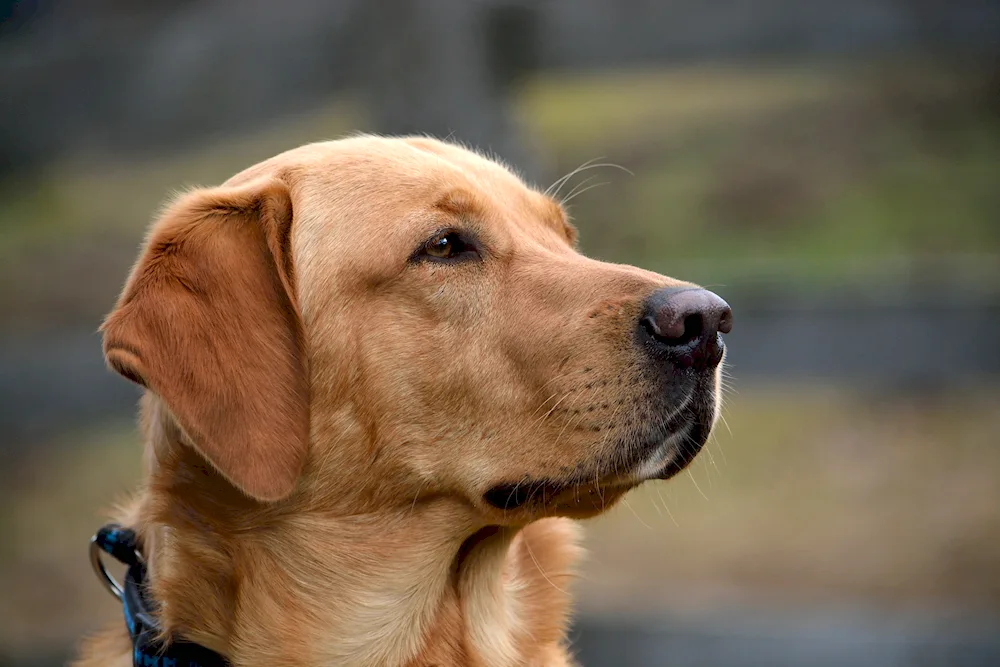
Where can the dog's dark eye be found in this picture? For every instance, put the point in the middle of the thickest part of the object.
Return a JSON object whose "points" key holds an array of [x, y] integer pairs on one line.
{"points": [[449, 246]]}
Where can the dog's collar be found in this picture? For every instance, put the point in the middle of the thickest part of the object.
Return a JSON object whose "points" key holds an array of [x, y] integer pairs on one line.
{"points": [[148, 649]]}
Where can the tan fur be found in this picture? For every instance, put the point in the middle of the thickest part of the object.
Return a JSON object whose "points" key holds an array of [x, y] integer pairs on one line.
{"points": [[324, 415]]}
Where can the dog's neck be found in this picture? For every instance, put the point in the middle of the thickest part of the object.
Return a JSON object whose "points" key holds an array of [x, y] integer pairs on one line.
{"points": [[424, 584]]}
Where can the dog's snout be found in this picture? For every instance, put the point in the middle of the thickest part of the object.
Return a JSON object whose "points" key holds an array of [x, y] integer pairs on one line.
{"points": [[686, 323]]}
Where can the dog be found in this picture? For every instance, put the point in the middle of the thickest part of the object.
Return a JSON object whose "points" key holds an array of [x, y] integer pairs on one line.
{"points": [[380, 386]]}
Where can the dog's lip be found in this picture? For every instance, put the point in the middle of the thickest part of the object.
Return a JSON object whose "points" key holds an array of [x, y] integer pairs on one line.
{"points": [[579, 495], [660, 455], [666, 455], [544, 492], [666, 460], [669, 451], [685, 447]]}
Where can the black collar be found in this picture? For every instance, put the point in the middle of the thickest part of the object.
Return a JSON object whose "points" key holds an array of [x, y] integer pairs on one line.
{"points": [[148, 649]]}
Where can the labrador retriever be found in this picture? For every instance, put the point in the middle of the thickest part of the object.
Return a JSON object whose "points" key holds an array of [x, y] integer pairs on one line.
{"points": [[380, 383]]}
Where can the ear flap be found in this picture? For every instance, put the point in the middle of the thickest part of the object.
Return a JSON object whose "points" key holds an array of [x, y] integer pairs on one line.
{"points": [[209, 322]]}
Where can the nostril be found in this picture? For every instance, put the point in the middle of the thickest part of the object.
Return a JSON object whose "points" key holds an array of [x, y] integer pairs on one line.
{"points": [[675, 331], [693, 327], [649, 324]]}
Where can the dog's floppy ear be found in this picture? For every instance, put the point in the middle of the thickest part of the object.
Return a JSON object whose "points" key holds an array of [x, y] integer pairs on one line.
{"points": [[209, 322]]}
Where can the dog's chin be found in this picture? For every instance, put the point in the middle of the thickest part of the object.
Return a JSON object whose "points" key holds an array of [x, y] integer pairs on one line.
{"points": [[670, 448], [675, 451], [660, 455]]}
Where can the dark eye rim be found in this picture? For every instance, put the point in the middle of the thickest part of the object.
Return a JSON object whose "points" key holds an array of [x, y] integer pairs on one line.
{"points": [[468, 242]]}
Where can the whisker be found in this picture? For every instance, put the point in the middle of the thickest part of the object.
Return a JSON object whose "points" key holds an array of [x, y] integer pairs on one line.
{"points": [[607, 432], [559, 182], [576, 193], [711, 458], [667, 509], [553, 379], [597, 485], [589, 164], [695, 482], [542, 404], [635, 514], [527, 545], [688, 438], [416, 495], [656, 507], [552, 409], [580, 185], [725, 422], [513, 493], [578, 418]]}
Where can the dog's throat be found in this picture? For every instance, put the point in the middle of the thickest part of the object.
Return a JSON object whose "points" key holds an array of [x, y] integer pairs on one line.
{"points": [[472, 542]]}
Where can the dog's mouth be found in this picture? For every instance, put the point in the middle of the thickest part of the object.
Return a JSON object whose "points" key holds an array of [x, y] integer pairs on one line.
{"points": [[661, 453], [560, 496]]}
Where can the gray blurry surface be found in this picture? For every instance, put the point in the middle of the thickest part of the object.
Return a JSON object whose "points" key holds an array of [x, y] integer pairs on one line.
{"points": [[854, 639], [914, 340], [858, 639], [51, 383], [133, 75]]}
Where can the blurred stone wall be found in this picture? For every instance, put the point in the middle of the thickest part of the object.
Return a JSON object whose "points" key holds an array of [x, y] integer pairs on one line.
{"points": [[120, 76]]}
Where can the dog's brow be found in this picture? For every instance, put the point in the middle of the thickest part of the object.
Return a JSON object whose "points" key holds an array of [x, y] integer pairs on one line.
{"points": [[554, 212], [460, 203], [555, 215]]}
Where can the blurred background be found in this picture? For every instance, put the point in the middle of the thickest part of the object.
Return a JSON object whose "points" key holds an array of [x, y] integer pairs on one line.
{"points": [[831, 168]]}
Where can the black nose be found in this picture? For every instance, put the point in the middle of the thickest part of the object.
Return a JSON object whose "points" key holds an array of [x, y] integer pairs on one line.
{"points": [[685, 324]]}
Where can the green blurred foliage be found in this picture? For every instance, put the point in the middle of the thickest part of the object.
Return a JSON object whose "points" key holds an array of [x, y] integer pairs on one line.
{"points": [[809, 169]]}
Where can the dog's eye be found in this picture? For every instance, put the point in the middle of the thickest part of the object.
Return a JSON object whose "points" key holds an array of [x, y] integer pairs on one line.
{"points": [[449, 246]]}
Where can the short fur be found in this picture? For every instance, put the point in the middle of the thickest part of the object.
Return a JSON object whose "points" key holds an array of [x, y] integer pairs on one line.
{"points": [[324, 413]]}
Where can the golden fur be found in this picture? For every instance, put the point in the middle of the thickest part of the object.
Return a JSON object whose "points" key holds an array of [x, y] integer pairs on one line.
{"points": [[324, 414]]}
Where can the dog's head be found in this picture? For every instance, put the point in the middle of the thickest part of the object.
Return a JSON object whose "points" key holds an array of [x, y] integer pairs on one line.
{"points": [[371, 321]]}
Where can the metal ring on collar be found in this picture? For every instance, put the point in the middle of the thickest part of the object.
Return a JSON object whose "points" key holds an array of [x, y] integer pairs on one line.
{"points": [[95, 560]]}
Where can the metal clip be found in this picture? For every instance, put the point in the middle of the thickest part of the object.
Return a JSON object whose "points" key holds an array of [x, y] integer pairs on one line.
{"points": [[95, 559]]}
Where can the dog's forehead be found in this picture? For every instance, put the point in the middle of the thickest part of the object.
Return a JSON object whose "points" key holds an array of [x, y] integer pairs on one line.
{"points": [[362, 205], [386, 186], [411, 170], [379, 178]]}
